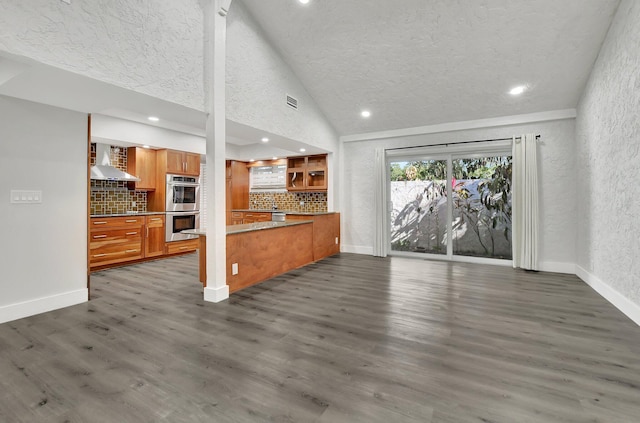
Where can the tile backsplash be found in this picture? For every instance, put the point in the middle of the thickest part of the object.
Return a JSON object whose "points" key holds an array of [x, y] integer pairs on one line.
{"points": [[313, 202], [113, 197]]}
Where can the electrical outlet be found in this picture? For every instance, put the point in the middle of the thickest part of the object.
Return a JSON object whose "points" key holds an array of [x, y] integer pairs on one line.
{"points": [[336, 240], [302, 203], [234, 269]]}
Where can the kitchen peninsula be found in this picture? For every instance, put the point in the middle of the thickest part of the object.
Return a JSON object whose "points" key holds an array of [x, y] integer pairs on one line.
{"points": [[262, 250]]}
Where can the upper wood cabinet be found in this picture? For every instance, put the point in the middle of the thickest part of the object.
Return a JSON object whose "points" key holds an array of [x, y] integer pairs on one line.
{"points": [[181, 162], [307, 173], [141, 162]]}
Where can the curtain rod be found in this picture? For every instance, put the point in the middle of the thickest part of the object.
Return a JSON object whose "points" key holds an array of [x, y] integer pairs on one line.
{"points": [[455, 143]]}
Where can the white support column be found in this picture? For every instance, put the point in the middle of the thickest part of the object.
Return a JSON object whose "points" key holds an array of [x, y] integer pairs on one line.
{"points": [[215, 51]]}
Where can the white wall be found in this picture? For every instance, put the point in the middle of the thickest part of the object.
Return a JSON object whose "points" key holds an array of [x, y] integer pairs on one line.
{"points": [[557, 186], [153, 47], [258, 81], [608, 141], [114, 129], [44, 252]]}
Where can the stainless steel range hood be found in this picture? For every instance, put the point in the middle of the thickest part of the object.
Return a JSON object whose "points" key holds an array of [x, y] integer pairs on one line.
{"points": [[103, 171]]}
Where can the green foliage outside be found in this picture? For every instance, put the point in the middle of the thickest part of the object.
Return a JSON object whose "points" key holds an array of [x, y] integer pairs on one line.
{"points": [[484, 215]]}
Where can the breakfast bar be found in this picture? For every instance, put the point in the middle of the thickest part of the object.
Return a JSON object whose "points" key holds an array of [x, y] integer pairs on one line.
{"points": [[262, 250]]}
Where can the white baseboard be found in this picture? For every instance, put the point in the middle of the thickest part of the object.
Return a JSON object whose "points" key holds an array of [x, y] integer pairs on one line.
{"points": [[619, 301], [557, 267], [356, 249], [42, 305], [216, 294]]}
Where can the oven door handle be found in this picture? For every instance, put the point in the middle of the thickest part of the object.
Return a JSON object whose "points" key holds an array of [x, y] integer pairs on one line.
{"points": [[183, 184]]}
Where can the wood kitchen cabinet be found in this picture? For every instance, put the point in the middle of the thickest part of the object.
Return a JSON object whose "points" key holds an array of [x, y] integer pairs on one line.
{"points": [[307, 173], [253, 217], [186, 246], [181, 162], [115, 240], [141, 162], [174, 162], [155, 236], [237, 187]]}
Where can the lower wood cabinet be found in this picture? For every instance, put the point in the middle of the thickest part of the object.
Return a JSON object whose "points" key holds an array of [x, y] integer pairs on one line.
{"points": [[253, 217], [185, 246], [155, 236], [115, 240], [239, 218]]}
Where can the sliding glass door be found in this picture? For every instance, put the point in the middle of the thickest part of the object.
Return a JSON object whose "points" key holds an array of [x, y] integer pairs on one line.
{"points": [[451, 205]]}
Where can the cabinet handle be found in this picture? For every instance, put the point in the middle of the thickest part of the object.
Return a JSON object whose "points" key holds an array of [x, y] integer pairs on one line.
{"points": [[131, 221], [99, 223], [131, 251], [132, 233], [184, 248], [99, 255], [156, 218], [99, 236], [147, 232]]}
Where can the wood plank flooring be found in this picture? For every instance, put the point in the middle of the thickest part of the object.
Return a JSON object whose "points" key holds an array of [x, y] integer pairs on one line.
{"points": [[349, 339]]}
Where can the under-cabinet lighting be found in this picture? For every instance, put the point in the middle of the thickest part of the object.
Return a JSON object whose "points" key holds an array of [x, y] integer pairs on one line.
{"points": [[153, 118]]}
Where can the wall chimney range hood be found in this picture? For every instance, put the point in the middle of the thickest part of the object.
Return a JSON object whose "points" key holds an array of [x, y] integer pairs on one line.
{"points": [[103, 171]]}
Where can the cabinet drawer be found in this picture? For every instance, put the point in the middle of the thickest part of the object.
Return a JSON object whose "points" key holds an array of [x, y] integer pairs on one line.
{"points": [[115, 236], [109, 256], [115, 222], [181, 246], [155, 221], [236, 215]]}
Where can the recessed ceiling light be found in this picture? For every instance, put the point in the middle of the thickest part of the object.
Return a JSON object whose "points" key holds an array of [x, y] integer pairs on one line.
{"points": [[304, 1], [275, 158], [518, 90], [365, 113], [252, 160], [153, 118], [145, 146], [302, 150], [265, 139]]}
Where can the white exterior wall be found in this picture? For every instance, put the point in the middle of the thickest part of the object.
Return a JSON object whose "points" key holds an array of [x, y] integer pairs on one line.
{"points": [[608, 141], [258, 81], [557, 186], [153, 47], [44, 254]]}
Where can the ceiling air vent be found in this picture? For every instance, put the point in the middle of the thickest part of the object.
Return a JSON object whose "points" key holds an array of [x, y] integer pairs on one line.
{"points": [[292, 102]]}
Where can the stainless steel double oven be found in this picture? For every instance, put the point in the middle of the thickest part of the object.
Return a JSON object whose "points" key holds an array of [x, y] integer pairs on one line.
{"points": [[183, 206]]}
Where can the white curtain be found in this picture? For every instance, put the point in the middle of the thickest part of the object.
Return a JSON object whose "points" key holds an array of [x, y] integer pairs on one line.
{"points": [[380, 202], [525, 202]]}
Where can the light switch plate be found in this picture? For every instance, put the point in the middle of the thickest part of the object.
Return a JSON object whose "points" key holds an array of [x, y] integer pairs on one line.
{"points": [[25, 197], [234, 269]]}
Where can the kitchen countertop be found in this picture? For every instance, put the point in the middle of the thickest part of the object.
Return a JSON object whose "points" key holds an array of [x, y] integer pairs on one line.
{"points": [[250, 227], [282, 211], [127, 214]]}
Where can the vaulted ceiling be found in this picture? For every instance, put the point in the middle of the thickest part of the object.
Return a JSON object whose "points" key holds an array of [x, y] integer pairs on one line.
{"points": [[421, 62]]}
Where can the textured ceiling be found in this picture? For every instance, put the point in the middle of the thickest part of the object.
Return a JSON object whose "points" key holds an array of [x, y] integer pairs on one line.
{"points": [[422, 62]]}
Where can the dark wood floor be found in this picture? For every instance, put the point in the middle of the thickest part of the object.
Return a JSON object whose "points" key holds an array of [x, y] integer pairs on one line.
{"points": [[350, 339]]}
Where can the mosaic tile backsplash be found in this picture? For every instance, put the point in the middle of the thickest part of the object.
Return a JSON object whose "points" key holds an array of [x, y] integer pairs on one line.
{"points": [[113, 197], [314, 202]]}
